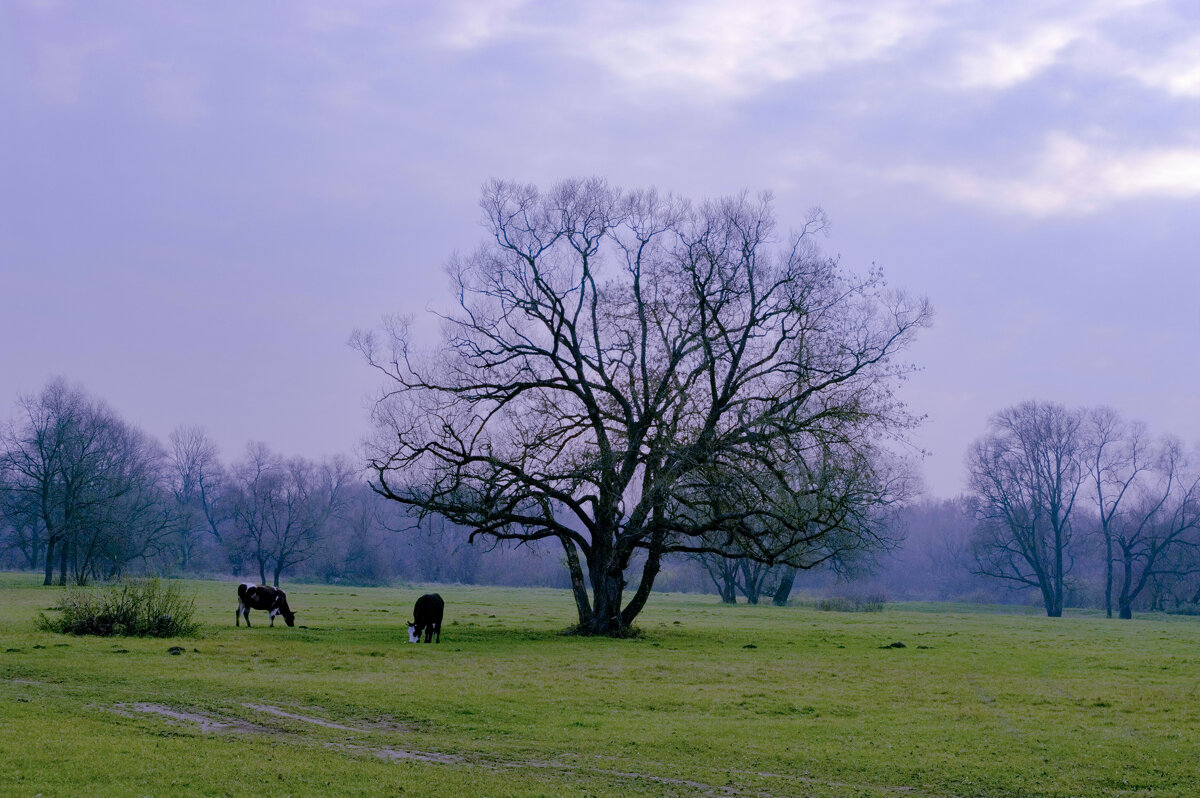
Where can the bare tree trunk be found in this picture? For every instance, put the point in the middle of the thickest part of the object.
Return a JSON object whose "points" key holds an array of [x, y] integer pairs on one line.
{"points": [[608, 585], [62, 562], [784, 589], [751, 580], [606, 571], [1052, 600], [578, 586], [649, 572], [728, 588], [1059, 546], [51, 540], [1108, 574], [1125, 602]]}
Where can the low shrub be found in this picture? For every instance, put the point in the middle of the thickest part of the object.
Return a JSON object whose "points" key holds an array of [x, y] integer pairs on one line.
{"points": [[133, 608], [872, 603]]}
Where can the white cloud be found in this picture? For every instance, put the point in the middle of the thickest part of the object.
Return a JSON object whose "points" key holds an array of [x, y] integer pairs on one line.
{"points": [[1027, 40], [725, 50], [714, 50], [1071, 177], [1177, 72], [470, 23], [1000, 64]]}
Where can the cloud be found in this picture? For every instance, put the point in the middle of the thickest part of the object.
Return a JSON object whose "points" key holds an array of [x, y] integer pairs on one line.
{"points": [[712, 50], [1002, 64], [1071, 177], [1177, 72], [471, 23], [708, 50], [719, 50]]}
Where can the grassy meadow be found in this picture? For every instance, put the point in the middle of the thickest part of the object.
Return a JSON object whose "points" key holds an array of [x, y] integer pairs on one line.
{"points": [[710, 700]]}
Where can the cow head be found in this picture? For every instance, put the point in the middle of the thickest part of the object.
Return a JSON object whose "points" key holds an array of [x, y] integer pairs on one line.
{"points": [[413, 635], [289, 617]]}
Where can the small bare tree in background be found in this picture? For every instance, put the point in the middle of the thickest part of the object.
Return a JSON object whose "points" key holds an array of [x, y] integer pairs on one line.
{"points": [[124, 512], [196, 483], [1025, 476], [1157, 532], [88, 486], [1117, 457], [20, 522], [281, 507], [617, 356], [723, 572]]}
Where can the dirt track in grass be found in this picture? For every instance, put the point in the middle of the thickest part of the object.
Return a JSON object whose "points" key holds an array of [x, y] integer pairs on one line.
{"points": [[209, 723]]}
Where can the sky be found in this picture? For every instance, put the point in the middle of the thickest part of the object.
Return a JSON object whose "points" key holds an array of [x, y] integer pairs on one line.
{"points": [[199, 203]]}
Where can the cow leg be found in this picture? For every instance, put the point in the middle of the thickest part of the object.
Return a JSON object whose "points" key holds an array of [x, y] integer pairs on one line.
{"points": [[246, 615], [237, 615], [273, 613], [438, 631]]}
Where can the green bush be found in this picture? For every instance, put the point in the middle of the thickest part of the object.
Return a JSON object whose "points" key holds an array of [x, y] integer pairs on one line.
{"points": [[134, 608]]}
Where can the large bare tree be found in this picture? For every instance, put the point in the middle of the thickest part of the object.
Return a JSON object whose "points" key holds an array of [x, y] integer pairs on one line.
{"points": [[1025, 476], [617, 358]]}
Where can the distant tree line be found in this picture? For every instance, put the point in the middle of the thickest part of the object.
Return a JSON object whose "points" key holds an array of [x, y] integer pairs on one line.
{"points": [[1056, 488], [1067, 507], [86, 495]]}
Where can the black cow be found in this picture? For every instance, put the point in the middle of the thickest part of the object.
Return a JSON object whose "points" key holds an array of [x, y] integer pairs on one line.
{"points": [[427, 618], [262, 597]]}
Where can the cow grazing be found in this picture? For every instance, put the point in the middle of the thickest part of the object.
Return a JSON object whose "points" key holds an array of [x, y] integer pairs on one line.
{"points": [[262, 597], [427, 619]]}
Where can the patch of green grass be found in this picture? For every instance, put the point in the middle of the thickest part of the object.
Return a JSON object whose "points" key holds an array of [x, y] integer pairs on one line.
{"points": [[712, 699]]}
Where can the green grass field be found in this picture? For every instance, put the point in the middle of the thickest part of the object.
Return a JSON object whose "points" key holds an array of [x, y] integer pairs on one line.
{"points": [[711, 700]]}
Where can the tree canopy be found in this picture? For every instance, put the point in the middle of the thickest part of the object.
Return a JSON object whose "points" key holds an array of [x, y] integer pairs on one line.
{"points": [[634, 374]]}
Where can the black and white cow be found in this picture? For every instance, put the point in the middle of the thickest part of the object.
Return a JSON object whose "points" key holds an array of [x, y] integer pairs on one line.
{"points": [[427, 618], [262, 597]]}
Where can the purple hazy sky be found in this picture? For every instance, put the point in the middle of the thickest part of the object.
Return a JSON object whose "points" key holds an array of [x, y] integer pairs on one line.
{"points": [[199, 202]]}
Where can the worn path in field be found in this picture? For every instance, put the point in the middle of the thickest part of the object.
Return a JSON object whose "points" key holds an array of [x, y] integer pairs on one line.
{"points": [[212, 724], [288, 723]]}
